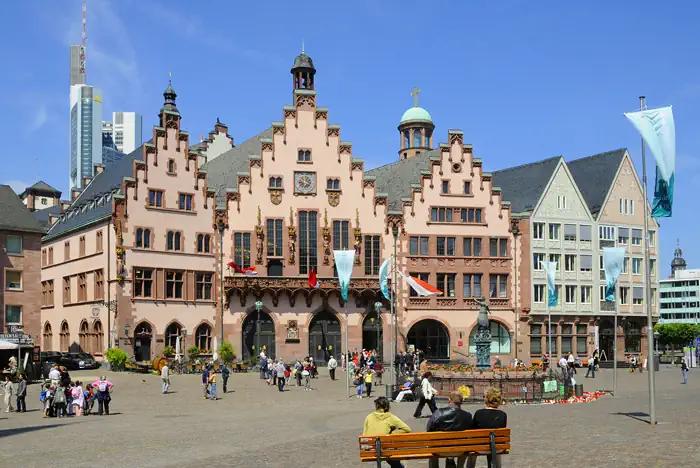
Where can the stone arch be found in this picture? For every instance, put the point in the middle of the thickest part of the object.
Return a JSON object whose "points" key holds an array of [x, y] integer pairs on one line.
{"points": [[143, 336], [84, 336], [431, 336], [172, 331], [64, 341], [501, 340], [203, 335], [98, 337], [325, 335], [258, 334], [47, 337]]}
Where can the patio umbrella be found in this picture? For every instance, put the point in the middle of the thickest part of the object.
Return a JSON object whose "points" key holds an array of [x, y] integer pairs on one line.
{"points": [[177, 349], [215, 349]]}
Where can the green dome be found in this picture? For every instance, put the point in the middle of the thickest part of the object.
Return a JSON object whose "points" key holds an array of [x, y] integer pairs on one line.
{"points": [[416, 113]]}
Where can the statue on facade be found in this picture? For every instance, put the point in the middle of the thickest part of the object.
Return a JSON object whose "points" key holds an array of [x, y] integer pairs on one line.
{"points": [[482, 337]]}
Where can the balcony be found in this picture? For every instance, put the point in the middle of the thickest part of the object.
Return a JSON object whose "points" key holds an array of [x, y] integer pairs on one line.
{"points": [[606, 243]]}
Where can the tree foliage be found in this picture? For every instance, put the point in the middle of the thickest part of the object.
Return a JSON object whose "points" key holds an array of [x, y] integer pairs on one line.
{"points": [[679, 334], [168, 352], [116, 357], [226, 352], [193, 351]]}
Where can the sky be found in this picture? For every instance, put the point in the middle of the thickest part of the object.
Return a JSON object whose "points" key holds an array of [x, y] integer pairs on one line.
{"points": [[523, 80]]}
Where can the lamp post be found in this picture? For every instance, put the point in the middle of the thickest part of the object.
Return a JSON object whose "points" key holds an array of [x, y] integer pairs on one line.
{"points": [[258, 308], [183, 333], [221, 226], [656, 354], [377, 309], [394, 312], [515, 230]]}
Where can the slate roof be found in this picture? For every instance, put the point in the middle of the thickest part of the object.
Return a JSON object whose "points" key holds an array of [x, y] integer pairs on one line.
{"points": [[524, 185], [14, 215], [43, 215], [594, 175], [222, 171], [95, 201], [42, 187], [395, 179]]}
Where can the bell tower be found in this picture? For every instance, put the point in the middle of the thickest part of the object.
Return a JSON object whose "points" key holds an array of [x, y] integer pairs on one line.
{"points": [[303, 72], [415, 129]]}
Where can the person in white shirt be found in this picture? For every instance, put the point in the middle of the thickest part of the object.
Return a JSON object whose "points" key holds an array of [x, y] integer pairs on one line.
{"points": [[427, 395], [332, 364], [54, 374], [563, 363], [165, 377], [571, 362]]}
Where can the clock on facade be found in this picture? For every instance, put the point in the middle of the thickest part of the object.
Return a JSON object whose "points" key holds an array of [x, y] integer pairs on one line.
{"points": [[305, 182]]}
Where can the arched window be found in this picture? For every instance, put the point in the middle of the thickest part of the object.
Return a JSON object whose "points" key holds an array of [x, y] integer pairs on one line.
{"points": [[64, 337], [171, 333], [171, 166], [203, 337], [47, 339], [98, 337], [84, 337], [207, 243], [431, 337], [417, 138], [171, 240], [200, 243], [139, 237], [146, 238], [275, 182], [178, 241], [406, 139], [500, 339], [427, 140]]}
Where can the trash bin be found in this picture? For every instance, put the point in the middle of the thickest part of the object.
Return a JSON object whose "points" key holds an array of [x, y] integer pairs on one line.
{"points": [[578, 390], [389, 391]]}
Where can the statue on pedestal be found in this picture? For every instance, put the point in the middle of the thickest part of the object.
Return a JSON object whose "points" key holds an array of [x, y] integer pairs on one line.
{"points": [[482, 337]]}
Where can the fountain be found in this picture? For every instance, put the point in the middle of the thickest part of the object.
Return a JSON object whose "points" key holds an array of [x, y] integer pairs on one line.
{"points": [[482, 337]]}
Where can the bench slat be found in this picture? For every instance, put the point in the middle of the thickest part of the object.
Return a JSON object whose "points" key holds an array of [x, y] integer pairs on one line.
{"points": [[430, 453], [423, 436], [437, 443]]}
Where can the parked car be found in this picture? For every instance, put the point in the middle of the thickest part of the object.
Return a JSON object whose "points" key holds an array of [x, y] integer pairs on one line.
{"points": [[84, 361]]}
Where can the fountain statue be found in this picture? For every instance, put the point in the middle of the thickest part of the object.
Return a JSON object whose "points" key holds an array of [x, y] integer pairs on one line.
{"points": [[482, 337]]}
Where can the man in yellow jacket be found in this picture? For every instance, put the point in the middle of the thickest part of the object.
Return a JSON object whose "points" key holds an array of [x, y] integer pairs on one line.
{"points": [[381, 421]]}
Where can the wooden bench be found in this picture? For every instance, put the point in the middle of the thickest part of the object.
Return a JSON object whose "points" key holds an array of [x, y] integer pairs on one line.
{"points": [[426, 445]]}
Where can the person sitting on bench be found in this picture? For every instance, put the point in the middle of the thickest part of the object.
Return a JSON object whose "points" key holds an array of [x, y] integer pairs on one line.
{"points": [[382, 422], [489, 418], [450, 418]]}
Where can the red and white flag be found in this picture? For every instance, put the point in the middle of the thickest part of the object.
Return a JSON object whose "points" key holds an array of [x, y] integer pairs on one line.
{"points": [[313, 281], [420, 287], [243, 271]]}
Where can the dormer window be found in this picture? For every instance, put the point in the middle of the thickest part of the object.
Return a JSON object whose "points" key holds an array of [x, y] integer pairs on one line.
{"points": [[276, 182], [304, 156], [171, 166], [333, 184], [445, 186]]}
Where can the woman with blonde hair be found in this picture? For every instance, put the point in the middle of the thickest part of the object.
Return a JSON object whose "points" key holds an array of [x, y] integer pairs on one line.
{"points": [[489, 418]]}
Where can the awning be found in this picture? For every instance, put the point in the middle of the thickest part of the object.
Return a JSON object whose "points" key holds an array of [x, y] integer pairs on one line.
{"points": [[4, 344]]}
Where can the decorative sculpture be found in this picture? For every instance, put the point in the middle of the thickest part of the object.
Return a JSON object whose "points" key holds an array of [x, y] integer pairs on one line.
{"points": [[326, 236], [482, 337], [292, 231]]}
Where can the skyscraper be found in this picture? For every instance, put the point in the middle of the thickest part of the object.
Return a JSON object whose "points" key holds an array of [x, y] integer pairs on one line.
{"points": [[76, 77], [125, 130], [85, 132]]}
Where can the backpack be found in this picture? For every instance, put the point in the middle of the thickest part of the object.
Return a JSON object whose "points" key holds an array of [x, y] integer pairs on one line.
{"points": [[102, 386], [75, 393], [60, 396], [42, 396]]}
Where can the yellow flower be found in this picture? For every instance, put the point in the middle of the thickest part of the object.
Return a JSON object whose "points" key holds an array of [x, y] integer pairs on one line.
{"points": [[464, 390]]}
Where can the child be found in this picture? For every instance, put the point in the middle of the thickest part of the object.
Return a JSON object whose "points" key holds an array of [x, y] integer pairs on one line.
{"points": [[59, 401], [69, 398], [50, 409], [77, 399], [43, 398], [89, 401], [368, 382], [358, 382]]}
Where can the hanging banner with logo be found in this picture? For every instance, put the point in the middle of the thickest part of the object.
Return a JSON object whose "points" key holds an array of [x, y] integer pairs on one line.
{"points": [[613, 259], [550, 269]]}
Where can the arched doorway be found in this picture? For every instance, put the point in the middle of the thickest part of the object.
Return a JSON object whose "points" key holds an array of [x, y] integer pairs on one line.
{"points": [[500, 339], [47, 339], [263, 339], [142, 342], [64, 344], [98, 337], [606, 336], [171, 333], [431, 337], [324, 337], [372, 333], [84, 337]]}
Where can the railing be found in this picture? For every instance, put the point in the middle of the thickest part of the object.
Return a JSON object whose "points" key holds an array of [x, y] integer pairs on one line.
{"points": [[512, 388]]}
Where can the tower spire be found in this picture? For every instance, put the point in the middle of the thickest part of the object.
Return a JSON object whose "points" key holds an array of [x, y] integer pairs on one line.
{"points": [[83, 43]]}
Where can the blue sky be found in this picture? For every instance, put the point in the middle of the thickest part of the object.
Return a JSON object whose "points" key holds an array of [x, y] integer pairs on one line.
{"points": [[523, 80]]}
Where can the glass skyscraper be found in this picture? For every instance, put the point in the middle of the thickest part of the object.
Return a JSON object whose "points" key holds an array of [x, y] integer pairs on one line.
{"points": [[85, 132]]}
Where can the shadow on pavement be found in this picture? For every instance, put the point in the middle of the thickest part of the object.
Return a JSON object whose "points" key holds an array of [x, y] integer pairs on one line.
{"points": [[635, 415], [22, 430]]}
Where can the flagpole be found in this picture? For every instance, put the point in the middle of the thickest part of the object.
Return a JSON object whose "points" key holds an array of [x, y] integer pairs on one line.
{"points": [[617, 309], [647, 292], [347, 352], [395, 331]]}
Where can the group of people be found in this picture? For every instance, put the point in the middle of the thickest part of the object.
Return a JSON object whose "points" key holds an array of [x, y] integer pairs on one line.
{"points": [[450, 418], [278, 373]]}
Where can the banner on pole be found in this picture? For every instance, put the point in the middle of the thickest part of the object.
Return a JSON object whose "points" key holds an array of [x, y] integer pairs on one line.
{"points": [[384, 277], [658, 131], [344, 260], [613, 259], [550, 269]]}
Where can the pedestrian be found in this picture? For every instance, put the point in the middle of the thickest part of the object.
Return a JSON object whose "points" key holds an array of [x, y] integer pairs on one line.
{"points": [[596, 359], [263, 366], [44, 399], [89, 399], [298, 370], [427, 395], [368, 382], [9, 391], [104, 394], [545, 362], [77, 398], [571, 362], [343, 359], [272, 368], [378, 370], [54, 374], [69, 398], [59, 400], [450, 418], [684, 370], [358, 382], [489, 418], [50, 408], [332, 364], [21, 394], [165, 377], [205, 382], [381, 422], [306, 373], [225, 373], [633, 364], [280, 371], [212, 385], [591, 367]]}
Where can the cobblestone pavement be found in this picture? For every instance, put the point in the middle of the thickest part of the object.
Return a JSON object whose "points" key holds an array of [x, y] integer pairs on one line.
{"points": [[256, 426]]}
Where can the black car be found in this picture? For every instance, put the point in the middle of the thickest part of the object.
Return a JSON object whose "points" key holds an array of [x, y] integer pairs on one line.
{"points": [[62, 359], [83, 361]]}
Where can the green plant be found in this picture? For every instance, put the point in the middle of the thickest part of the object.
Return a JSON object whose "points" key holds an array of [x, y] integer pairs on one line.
{"points": [[168, 352], [226, 352], [116, 358], [193, 351]]}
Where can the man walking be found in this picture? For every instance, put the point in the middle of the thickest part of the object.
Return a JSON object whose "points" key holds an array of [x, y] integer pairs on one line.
{"points": [[332, 365], [684, 370], [450, 418], [205, 381], [225, 373], [165, 377], [21, 394], [279, 370], [591, 367]]}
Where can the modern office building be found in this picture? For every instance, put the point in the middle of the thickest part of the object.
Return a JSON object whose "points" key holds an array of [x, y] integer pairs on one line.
{"points": [[85, 132], [125, 131], [76, 77], [680, 294]]}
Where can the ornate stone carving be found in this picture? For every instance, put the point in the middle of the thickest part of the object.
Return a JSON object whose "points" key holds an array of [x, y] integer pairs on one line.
{"points": [[321, 115], [334, 198], [290, 113], [326, 236], [482, 337], [457, 138], [259, 234], [276, 196], [333, 132], [278, 130], [358, 238], [256, 162], [345, 149], [306, 100], [292, 231], [266, 146]]}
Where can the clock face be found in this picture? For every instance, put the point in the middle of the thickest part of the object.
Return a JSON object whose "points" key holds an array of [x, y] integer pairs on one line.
{"points": [[305, 182]]}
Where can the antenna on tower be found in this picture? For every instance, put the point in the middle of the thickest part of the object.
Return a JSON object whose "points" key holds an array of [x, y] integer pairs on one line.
{"points": [[83, 55]]}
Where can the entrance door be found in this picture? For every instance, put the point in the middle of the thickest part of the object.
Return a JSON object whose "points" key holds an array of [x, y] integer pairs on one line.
{"points": [[142, 342], [255, 339], [607, 341], [324, 337], [431, 337], [372, 333]]}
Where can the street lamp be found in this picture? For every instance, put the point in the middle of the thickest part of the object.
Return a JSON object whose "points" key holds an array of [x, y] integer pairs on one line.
{"points": [[394, 305], [221, 226], [656, 353], [258, 308], [377, 308], [515, 230]]}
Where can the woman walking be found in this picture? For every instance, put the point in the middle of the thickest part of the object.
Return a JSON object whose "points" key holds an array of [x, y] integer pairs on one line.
{"points": [[358, 381], [306, 373], [684, 370], [9, 391], [427, 396]]}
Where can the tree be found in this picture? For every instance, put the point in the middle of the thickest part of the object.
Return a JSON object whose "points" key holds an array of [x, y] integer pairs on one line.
{"points": [[677, 334], [116, 358], [226, 351]]}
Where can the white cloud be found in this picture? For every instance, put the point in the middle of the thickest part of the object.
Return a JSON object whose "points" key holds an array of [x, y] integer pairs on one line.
{"points": [[17, 185], [41, 115]]}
